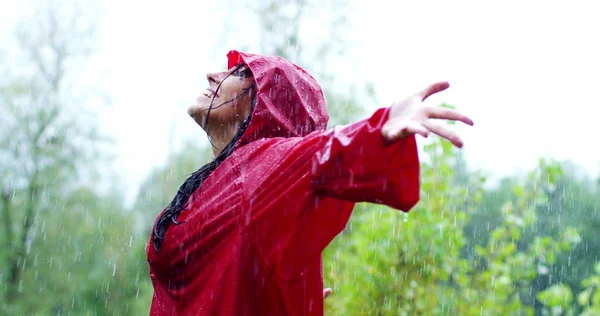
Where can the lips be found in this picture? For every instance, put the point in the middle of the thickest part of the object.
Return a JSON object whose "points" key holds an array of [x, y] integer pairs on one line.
{"points": [[209, 93]]}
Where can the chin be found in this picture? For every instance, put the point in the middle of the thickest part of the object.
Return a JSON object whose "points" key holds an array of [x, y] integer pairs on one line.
{"points": [[194, 113]]}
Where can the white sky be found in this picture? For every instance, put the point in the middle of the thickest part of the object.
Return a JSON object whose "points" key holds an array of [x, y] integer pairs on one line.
{"points": [[527, 72]]}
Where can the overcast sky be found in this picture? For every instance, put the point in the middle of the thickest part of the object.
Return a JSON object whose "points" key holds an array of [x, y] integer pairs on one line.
{"points": [[527, 72]]}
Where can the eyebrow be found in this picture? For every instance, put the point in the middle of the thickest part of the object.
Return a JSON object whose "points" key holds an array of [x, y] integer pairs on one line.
{"points": [[237, 67]]}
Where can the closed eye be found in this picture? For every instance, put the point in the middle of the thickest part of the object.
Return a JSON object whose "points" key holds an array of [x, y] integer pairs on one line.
{"points": [[244, 72]]}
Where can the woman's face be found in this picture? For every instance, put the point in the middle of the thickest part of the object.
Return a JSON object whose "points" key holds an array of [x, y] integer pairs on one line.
{"points": [[226, 102]]}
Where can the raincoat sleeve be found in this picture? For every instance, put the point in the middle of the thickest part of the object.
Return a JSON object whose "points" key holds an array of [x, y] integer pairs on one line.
{"points": [[354, 163], [308, 191]]}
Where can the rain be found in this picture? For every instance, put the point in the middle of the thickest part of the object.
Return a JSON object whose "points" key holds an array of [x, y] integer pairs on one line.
{"points": [[96, 141]]}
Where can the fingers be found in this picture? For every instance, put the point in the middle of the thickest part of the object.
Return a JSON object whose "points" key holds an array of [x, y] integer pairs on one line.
{"points": [[444, 133], [432, 89], [406, 129], [416, 128], [423, 129], [447, 114], [327, 292]]}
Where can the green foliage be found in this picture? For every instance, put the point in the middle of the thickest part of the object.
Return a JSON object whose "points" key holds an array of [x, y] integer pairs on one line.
{"points": [[557, 299], [392, 263], [388, 263], [589, 298], [82, 259]]}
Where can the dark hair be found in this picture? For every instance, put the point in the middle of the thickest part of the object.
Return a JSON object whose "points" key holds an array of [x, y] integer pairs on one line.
{"points": [[195, 180]]}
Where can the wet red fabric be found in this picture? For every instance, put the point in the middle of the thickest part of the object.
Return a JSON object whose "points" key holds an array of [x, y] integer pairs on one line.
{"points": [[251, 236]]}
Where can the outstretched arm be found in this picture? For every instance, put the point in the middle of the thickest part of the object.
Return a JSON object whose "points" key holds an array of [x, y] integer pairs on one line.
{"points": [[373, 160], [376, 160]]}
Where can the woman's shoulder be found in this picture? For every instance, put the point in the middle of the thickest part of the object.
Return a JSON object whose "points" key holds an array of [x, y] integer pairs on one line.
{"points": [[281, 143], [264, 145], [273, 152]]}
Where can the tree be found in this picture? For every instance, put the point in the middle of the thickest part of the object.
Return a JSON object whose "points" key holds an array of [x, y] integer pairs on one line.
{"points": [[46, 140]]}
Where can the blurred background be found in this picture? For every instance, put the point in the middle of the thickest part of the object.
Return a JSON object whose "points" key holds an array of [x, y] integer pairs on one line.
{"points": [[95, 139]]}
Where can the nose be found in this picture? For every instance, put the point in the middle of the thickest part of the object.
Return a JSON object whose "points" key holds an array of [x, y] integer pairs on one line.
{"points": [[212, 77]]}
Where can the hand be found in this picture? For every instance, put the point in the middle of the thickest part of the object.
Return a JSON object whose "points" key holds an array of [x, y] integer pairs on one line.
{"points": [[409, 117], [326, 292]]}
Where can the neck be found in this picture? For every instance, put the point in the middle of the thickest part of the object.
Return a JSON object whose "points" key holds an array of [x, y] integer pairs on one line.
{"points": [[221, 137]]}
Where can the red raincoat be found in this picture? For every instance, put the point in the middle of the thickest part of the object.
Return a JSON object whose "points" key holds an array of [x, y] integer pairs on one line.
{"points": [[251, 237]]}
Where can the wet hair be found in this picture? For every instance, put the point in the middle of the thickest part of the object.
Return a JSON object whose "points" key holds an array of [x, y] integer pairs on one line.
{"points": [[195, 180]]}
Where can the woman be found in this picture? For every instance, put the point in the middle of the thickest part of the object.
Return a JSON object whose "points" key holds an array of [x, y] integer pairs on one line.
{"points": [[245, 233]]}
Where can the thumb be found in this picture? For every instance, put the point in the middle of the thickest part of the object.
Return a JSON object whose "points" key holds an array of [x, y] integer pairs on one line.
{"points": [[327, 292], [432, 89]]}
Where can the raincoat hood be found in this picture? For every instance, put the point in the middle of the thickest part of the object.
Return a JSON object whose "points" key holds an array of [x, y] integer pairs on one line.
{"points": [[289, 101]]}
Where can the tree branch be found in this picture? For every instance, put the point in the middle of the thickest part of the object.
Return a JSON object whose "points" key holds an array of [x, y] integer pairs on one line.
{"points": [[7, 216], [20, 249]]}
